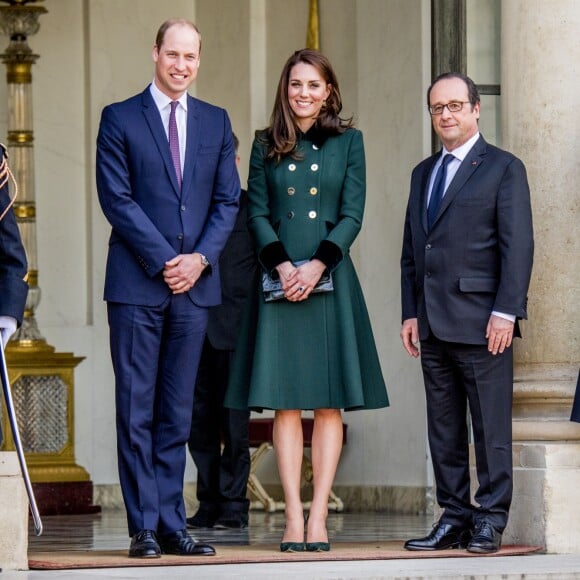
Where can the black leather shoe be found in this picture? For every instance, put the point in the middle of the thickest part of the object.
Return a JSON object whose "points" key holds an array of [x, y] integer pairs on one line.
{"points": [[231, 521], [202, 519], [486, 539], [181, 543], [442, 537], [144, 545]]}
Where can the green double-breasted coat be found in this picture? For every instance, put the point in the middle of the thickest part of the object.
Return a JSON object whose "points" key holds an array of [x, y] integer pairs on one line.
{"points": [[318, 353]]}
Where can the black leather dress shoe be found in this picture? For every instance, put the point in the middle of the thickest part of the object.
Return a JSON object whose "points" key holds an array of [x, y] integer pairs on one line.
{"points": [[442, 537], [202, 519], [144, 545], [232, 521], [486, 539], [181, 543]]}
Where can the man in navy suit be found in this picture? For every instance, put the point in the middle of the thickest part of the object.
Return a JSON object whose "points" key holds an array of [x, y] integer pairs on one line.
{"points": [[465, 270], [13, 265], [168, 184]]}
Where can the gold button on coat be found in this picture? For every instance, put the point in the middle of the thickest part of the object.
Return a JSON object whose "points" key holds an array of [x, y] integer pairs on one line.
{"points": [[313, 191], [292, 167], [312, 214], [314, 167], [291, 191]]}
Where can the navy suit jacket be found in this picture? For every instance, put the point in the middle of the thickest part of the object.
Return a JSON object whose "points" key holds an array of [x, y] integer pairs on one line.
{"points": [[152, 221], [13, 265], [477, 257]]}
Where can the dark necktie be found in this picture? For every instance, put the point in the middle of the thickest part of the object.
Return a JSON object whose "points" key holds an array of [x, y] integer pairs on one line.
{"points": [[438, 190], [174, 142]]}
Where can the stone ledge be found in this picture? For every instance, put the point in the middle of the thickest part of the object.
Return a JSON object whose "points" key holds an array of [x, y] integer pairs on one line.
{"points": [[537, 430], [546, 483], [9, 465], [541, 455]]}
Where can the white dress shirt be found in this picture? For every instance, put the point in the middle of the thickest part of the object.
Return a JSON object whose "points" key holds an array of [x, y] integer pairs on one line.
{"points": [[459, 155]]}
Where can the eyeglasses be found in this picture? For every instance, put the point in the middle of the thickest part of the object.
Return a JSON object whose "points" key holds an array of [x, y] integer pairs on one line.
{"points": [[452, 107]]}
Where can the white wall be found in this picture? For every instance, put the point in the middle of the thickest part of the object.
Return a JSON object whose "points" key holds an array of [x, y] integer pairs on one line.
{"points": [[98, 51]]}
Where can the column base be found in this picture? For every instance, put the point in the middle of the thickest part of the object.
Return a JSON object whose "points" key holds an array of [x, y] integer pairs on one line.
{"points": [[65, 498], [14, 518], [546, 483]]}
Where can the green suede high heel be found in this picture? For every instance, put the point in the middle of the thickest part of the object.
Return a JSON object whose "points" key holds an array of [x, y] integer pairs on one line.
{"points": [[318, 546], [292, 547]]}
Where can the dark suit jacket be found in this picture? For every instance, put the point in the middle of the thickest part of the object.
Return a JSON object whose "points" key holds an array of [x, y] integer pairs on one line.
{"points": [[13, 265], [575, 416], [477, 256], [152, 220], [238, 267]]}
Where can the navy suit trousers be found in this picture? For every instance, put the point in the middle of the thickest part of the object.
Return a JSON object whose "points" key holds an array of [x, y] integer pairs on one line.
{"points": [[155, 352]]}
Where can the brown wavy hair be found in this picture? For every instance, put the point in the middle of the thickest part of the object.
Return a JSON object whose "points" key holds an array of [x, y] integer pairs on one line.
{"points": [[282, 134]]}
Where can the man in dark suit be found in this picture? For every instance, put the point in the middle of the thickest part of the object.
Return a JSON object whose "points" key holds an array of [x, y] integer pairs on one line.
{"points": [[222, 473], [13, 264], [465, 269], [168, 184], [575, 415]]}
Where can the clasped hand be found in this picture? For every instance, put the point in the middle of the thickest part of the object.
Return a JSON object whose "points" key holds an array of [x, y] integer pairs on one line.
{"points": [[299, 281], [182, 272]]}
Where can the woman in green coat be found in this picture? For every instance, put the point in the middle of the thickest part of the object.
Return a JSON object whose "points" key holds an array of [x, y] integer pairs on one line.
{"points": [[309, 350]]}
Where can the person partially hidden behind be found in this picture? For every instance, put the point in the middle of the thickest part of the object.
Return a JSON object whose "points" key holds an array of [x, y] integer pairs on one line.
{"points": [[13, 264], [465, 270], [575, 414], [168, 185], [222, 474]]}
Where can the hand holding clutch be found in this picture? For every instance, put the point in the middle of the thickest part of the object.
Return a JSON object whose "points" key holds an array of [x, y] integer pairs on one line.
{"points": [[272, 287]]}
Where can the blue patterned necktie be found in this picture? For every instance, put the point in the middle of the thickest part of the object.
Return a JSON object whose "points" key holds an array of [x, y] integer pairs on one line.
{"points": [[438, 190], [174, 142]]}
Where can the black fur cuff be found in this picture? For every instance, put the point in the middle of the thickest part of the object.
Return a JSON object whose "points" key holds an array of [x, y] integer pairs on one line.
{"points": [[272, 255], [329, 254]]}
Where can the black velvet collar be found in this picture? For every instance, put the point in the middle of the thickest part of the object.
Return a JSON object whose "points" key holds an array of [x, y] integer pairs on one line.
{"points": [[315, 134]]}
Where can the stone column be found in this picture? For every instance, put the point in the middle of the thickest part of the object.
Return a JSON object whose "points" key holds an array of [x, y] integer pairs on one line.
{"points": [[540, 124]]}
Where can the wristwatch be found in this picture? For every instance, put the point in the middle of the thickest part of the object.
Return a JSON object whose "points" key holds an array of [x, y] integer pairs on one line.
{"points": [[204, 260]]}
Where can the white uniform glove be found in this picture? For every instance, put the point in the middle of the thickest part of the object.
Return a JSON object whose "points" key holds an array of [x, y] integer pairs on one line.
{"points": [[7, 328]]}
